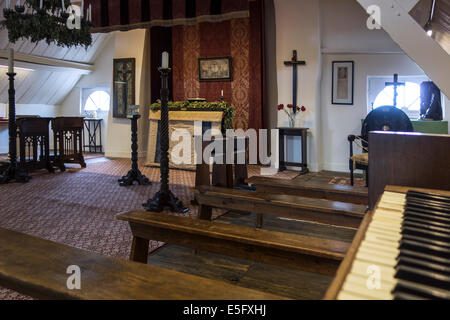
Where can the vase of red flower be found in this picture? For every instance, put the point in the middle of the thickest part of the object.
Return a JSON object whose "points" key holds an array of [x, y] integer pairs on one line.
{"points": [[291, 113]]}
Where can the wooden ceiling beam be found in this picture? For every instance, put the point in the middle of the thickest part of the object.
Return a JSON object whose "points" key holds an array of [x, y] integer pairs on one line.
{"points": [[35, 62]]}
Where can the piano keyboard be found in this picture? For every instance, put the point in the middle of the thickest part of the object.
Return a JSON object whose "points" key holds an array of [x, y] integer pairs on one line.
{"points": [[405, 251]]}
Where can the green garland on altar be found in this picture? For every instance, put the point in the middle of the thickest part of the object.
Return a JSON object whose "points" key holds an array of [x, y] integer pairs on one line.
{"points": [[48, 24], [228, 110]]}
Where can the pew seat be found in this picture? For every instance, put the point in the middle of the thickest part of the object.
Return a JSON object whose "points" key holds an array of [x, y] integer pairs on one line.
{"points": [[37, 267], [283, 249], [288, 206], [335, 192]]}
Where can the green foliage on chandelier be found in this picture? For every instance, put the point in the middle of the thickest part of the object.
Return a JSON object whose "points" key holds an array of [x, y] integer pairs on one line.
{"points": [[228, 110], [46, 24]]}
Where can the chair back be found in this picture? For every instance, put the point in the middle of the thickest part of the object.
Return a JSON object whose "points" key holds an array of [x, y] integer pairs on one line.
{"points": [[386, 118]]}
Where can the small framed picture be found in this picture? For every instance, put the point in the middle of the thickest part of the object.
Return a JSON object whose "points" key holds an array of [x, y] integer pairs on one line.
{"points": [[214, 69], [343, 82], [124, 86]]}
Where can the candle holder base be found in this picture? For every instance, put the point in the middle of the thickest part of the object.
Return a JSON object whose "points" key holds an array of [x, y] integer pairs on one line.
{"points": [[14, 173], [134, 175], [162, 200]]}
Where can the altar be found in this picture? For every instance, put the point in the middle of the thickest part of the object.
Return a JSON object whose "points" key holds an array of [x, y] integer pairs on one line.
{"points": [[190, 120]]}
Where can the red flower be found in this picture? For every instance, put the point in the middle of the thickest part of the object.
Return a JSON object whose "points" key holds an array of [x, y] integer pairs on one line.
{"points": [[290, 106], [280, 106], [303, 108]]}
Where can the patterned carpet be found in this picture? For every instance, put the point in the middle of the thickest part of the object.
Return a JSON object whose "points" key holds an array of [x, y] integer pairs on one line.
{"points": [[358, 182], [78, 207]]}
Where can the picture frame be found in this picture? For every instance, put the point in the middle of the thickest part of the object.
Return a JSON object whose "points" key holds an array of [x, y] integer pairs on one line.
{"points": [[215, 69], [342, 87], [124, 80]]}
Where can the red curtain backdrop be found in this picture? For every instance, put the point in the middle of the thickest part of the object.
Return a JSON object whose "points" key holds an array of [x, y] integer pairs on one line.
{"points": [[242, 40]]}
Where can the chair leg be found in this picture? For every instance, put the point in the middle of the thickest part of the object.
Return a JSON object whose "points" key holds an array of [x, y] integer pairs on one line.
{"points": [[367, 177], [351, 174]]}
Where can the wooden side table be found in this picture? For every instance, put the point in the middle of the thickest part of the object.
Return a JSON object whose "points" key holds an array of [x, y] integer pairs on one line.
{"points": [[293, 132]]}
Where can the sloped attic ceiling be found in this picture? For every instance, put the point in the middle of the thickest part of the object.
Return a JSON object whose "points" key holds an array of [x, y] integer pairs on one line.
{"points": [[46, 73]]}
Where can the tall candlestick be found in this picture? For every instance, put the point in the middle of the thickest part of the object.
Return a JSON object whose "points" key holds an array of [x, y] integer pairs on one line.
{"points": [[165, 60], [10, 60]]}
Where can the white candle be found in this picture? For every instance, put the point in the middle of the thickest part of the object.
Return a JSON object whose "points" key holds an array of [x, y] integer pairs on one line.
{"points": [[8, 4], [10, 60], [62, 5], [82, 8], [221, 93], [18, 3], [40, 4], [90, 13], [165, 60]]}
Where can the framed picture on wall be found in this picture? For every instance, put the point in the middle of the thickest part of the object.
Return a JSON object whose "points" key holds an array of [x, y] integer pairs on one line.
{"points": [[123, 86], [343, 82], [214, 69]]}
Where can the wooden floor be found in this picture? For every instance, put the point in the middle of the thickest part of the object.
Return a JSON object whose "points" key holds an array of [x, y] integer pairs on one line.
{"points": [[268, 278]]}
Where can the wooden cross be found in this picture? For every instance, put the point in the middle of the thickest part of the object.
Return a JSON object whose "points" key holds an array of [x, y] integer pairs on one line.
{"points": [[395, 84], [294, 63]]}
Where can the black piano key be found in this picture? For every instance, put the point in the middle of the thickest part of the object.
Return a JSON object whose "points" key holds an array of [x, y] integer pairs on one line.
{"points": [[423, 195], [428, 211], [423, 264], [416, 275], [419, 290], [428, 205], [426, 224], [425, 257], [427, 216], [441, 239], [427, 248], [408, 296]]}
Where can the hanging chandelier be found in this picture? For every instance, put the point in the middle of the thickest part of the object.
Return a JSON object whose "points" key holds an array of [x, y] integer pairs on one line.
{"points": [[54, 21]]}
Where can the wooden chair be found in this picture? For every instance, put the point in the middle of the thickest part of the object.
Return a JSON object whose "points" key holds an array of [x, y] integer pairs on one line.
{"points": [[384, 118], [67, 133]]}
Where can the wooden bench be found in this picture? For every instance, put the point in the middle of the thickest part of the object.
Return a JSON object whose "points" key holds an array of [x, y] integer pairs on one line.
{"points": [[335, 192], [283, 249], [302, 208], [37, 268]]}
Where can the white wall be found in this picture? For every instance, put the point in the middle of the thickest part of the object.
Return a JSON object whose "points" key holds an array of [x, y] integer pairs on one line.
{"points": [[100, 77], [131, 44], [297, 28], [345, 37], [338, 121]]}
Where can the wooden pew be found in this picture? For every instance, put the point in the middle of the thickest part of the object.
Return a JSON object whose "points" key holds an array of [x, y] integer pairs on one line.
{"points": [[37, 268], [287, 206], [335, 192], [284, 249]]}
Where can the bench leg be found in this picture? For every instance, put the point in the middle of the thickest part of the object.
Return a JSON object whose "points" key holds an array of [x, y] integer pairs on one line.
{"points": [[204, 212], [139, 250], [259, 220]]}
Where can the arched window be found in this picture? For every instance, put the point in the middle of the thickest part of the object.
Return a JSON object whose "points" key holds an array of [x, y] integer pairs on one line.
{"points": [[408, 99], [98, 100]]}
